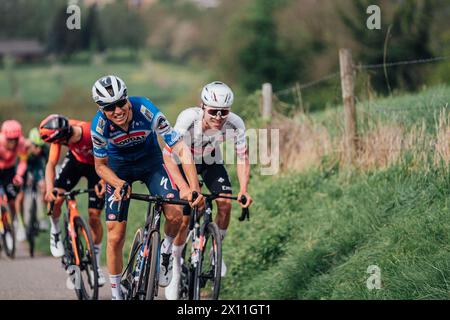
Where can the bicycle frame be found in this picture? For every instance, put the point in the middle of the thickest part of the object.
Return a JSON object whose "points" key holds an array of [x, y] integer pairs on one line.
{"points": [[71, 214], [152, 225]]}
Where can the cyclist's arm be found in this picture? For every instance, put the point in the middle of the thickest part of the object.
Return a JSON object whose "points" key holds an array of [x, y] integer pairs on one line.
{"points": [[105, 173], [22, 165], [187, 162], [243, 163], [174, 171], [55, 150], [243, 172]]}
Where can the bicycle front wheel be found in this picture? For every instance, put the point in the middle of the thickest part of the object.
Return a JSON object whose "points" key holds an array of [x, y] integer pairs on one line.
{"points": [[128, 279], [87, 280], [151, 274], [208, 271], [33, 227]]}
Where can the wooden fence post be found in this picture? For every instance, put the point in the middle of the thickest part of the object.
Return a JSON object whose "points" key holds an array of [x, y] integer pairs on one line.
{"points": [[267, 101], [348, 96]]}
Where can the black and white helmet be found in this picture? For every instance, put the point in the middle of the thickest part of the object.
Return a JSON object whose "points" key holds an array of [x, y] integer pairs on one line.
{"points": [[108, 90], [217, 94]]}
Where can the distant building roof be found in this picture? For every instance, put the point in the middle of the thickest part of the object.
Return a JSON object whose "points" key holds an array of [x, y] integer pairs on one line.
{"points": [[21, 47]]}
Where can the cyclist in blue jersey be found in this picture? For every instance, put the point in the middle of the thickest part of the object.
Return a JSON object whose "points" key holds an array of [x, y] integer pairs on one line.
{"points": [[124, 135]]}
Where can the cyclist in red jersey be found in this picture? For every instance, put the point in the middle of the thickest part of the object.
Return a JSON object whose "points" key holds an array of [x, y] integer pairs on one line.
{"points": [[79, 162], [12, 147]]}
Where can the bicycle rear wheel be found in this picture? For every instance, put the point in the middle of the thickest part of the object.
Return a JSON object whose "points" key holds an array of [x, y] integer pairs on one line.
{"points": [[151, 274], [128, 279], [208, 271], [87, 288], [8, 234]]}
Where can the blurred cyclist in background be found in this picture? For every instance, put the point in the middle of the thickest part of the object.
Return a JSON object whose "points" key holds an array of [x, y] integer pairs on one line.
{"points": [[12, 151], [37, 158]]}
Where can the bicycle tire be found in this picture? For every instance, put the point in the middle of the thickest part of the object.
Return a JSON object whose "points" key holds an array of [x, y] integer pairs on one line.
{"points": [[8, 227], [87, 260], [31, 228], [211, 235], [128, 275], [151, 274]]}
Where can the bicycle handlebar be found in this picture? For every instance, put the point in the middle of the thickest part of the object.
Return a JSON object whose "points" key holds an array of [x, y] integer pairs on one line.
{"points": [[66, 194], [150, 198], [245, 211]]}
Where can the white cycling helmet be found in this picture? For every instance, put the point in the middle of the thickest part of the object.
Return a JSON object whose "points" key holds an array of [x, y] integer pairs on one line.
{"points": [[108, 90], [217, 94]]}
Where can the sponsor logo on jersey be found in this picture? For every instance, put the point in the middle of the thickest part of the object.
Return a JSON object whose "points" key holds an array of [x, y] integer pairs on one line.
{"points": [[170, 196], [130, 139], [162, 124], [112, 216], [147, 113], [98, 142], [100, 126]]}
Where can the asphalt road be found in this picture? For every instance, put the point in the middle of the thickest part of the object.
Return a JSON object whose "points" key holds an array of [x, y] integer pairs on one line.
{"points": [[38, 278]]}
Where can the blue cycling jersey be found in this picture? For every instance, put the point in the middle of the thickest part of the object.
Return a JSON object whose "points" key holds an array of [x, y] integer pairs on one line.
{"points": [[109, 140]]}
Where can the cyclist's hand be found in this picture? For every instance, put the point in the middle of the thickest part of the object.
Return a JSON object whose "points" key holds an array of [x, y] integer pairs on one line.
{"points": [[185, 193], [249, 199], [117, 190], [199, 201], [50, 196], [100, 188], [17, 180]]}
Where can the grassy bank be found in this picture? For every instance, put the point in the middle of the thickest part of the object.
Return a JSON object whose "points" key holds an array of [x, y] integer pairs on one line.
{"points": [[313, 236]]}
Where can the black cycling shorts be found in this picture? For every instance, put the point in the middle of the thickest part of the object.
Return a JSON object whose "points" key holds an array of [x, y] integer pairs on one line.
{"points": [[6, 180], [214, 176], [71, 172]]}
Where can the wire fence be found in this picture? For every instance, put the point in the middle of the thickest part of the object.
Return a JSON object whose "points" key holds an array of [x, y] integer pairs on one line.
{"points": [[303, 97]]}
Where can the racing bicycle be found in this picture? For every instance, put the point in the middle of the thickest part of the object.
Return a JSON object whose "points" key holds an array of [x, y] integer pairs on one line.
{"points": [[201, 271], [7, 232], [140, 277], [79, 257]]}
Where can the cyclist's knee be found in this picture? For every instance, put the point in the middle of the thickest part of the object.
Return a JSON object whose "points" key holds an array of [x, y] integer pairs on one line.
{"points": [[174, 215], [224, 206], [94, 217], [116, 239], [184, 223]]}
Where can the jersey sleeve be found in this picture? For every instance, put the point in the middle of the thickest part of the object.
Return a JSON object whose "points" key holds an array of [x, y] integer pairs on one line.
{"points": [[159, 123], [185, 120], [240, 141], [99, 136]]}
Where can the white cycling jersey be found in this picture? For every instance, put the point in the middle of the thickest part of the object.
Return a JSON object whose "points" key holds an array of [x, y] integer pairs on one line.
{"points": [[189, 125]]}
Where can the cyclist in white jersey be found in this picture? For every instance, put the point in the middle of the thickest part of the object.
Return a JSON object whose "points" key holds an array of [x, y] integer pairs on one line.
{"points": [[204, 128]]}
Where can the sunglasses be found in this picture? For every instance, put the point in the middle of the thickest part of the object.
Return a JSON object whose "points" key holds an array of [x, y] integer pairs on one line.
{"points": [[223, 113], [112, 107]]}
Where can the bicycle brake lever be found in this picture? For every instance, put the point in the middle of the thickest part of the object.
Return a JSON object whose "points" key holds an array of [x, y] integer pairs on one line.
{"points": [[245, 211], [52, 204]]}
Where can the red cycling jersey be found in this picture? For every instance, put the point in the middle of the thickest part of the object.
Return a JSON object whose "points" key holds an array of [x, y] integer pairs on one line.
{"points": [[8, 157], [82, 150]]}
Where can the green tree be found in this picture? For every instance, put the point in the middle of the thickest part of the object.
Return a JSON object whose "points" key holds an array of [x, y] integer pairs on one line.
{"points": [[405, 35], [61, 40], [256, 53], [92, 37], [122, 26]]}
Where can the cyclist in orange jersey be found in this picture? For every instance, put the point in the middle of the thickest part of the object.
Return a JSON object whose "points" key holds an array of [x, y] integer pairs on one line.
{"points": [[79, 162]]}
